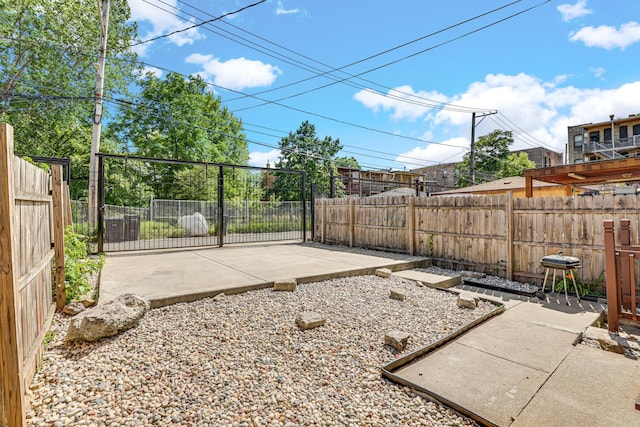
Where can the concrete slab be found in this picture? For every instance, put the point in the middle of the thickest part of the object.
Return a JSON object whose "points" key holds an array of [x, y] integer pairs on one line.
{"points": [[492, 387], [521, 342], [590, 388], [186, 275], [574, 318], [430, 280]]}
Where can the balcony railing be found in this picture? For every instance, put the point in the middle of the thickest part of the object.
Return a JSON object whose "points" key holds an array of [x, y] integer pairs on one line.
{"points": [[610, 149]]}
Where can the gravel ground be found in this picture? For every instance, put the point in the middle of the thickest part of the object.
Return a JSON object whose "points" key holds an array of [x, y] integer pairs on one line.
{"points": [[242, 361]]}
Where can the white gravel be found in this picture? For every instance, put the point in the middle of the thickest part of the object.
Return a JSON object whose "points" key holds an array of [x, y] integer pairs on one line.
{"points": [[242, 361]]}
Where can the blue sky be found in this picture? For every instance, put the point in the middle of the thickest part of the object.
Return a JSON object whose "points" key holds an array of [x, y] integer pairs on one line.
{"points": [[410, 72]]}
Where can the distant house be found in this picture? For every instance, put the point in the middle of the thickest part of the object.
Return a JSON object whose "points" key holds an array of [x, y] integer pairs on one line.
{"points": [[515, 184], [371, 182], [616, 139]]}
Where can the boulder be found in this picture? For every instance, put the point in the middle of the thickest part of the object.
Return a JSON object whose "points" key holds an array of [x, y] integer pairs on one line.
{"points": [[106, 320], [309, 320], [397, 339], [288, 285], [195, 225]]}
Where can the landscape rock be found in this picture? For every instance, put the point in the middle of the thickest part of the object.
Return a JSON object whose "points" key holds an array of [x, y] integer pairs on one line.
{"points": [[397, 294], [74, 308], [105, 320], [195, 225], [473, 274], [383, 272], [309, 320], [397, 339], [87, 300], [288, 285], [220, 297], [467, 300]]}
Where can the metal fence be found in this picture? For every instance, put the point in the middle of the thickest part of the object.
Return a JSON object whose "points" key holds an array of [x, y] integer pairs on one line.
{"points": [[155, 204]]}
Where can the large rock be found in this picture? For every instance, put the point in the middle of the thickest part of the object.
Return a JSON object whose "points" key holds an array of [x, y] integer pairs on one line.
{"points": [[467, 300], [397, 339], [288, 285], [309, 320], [106, 320], [196, 224], [383, 272]]}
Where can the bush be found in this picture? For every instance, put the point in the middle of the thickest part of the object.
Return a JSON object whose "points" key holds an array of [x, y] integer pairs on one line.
{"points": [[78, 266], [159, 230]]}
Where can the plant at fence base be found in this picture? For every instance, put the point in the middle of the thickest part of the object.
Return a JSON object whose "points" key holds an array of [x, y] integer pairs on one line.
{"points": [[583, 288], [160, 230], [78, 266]]}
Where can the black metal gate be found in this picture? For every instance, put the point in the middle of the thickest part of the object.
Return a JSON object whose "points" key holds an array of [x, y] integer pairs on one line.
{"points": [[147, 203]]}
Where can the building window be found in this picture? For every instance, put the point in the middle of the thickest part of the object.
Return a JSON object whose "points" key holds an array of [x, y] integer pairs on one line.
{"points": [[594, 136], [636, 129], [577, 142], [623, 132], [607, 135]]}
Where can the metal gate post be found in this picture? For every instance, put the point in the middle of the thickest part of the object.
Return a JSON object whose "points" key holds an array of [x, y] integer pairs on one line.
{"points": [[220, 206], [304, 206], [313, 212], [100, 204]]}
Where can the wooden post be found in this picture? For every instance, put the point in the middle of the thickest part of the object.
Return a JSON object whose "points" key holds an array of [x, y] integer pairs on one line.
{"points": [[57, 194], [625, 232], [352, 221], [613, 306], [509, 218], [12, 387], [528, 186], [323, 220], [411, 223]]}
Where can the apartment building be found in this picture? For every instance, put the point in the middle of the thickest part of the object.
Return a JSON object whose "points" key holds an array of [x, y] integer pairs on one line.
{"points": [[618, 138]]}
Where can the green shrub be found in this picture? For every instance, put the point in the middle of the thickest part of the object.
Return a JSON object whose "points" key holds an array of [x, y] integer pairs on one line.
{"points": [[78, 266], [159, 230]]}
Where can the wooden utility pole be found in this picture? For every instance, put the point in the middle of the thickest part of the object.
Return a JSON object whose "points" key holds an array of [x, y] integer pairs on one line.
{"points": [[97, 113], [472, 154]]}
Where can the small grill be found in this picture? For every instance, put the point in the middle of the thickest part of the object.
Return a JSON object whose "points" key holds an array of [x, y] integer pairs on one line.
{"points": [[564, 263]]}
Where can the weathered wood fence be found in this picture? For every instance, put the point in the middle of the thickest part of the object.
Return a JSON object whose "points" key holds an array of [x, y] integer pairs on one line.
{"points": [[498, 235], [32, 219]]}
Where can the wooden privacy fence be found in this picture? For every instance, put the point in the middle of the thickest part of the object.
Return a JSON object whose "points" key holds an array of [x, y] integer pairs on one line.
{"points": [[32, 218], [499, 235]]}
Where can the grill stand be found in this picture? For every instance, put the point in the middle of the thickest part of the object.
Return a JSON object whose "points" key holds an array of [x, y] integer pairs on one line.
{"points": [[571, 269]]}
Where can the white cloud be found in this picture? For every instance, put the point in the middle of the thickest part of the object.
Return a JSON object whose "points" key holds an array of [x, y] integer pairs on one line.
{"points": [[573, 11], [282, 11], [159, 15], [448, 151], [538, 113], [608, 37], [260, 159], [403, 101], [598, 71], [237, 73]]}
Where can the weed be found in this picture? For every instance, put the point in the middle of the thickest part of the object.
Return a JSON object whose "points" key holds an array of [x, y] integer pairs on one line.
{"points": [[78, 266]]}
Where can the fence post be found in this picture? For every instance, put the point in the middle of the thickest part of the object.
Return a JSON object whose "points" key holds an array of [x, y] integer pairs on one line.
{"points": [[220, 206], [352, 221], [58, 234], [613, 304], [323, 220], [304, 206], [625, 232], [411, 223], [509, 218], [100, 204], [12, 388]]}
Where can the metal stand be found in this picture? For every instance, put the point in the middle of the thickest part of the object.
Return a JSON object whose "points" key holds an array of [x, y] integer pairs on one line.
{"points": [[564, 277]]}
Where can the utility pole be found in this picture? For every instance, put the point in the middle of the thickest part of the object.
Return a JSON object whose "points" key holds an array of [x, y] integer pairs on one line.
{"points": [[97, 113], [472, 154]]}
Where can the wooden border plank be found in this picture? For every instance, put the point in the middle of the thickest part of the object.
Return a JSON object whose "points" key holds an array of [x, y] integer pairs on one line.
{"points": [[58, 234]]}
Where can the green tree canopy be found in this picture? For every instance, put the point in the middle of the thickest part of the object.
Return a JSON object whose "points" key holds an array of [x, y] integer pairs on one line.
{"points": [[491, 151], [303, 150], [514, 165]]}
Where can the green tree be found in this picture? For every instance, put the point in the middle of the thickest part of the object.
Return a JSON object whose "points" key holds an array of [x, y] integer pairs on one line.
{"points": [[177, 118], [514, 165], [303, 150], [491, 151], [47, 77]]}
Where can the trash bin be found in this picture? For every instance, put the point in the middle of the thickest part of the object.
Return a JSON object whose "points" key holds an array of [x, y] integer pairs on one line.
{"points": [[132, 227], [114, 229]]}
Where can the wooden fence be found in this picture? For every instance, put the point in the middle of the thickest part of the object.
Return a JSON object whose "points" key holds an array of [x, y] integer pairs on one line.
{"points": [[32, 219], [498, 235]]}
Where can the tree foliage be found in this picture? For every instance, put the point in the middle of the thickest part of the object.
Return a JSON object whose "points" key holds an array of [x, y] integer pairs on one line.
{"points": [[491, 151], [47, 77], [177, 118], [515, 164], [303, 150]]}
